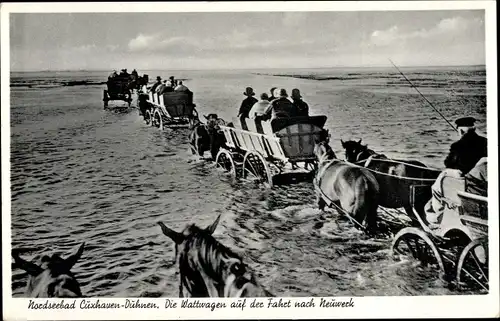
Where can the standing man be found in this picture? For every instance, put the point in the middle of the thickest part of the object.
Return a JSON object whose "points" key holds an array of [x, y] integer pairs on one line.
{"points": [[247, 103], [466, 152]]}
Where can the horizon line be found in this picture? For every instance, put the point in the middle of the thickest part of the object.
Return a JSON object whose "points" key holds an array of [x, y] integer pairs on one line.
{"points": [[259, 68]]}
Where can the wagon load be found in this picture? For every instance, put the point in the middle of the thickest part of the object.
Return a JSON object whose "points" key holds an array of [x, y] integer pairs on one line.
{"points": [[118, 89], [271, 151]]}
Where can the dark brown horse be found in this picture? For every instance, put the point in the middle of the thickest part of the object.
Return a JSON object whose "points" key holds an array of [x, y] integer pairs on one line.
{"points": [[52, 277], [208, 268], [206, 137], [351, 188], [395, 177]]}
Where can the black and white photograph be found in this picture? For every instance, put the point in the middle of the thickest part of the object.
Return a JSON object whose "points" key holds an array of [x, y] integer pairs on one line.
{"points": [[281, 152]]}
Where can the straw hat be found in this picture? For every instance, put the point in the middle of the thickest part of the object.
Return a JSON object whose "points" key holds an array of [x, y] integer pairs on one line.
{"points": [[158, 78], [249, 92]]}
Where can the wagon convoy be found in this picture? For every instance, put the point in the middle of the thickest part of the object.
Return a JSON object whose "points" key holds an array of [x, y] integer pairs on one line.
{"points": [[284, 150], [296, 147]]}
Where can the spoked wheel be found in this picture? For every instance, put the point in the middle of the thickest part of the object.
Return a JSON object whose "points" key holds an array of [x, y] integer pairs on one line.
{"points": [[415, 243], [472, 267], [157, 119], [256, 168], [224, 160], [148, 118]]}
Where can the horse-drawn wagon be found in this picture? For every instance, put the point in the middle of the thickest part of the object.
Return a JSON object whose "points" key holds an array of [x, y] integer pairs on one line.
{"points": [[118, 89], [458, 245], [168, 109], [269, 151]]}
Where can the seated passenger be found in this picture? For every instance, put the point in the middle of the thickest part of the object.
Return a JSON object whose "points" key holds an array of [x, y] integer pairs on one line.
{"points": [[172, 81], [280, 107], [247, 103], [260, 107], [180, 87], [157, 83], [161, 88], [300, 107], [113, 74], [476, 181], [272, 91], [434, 209], [168, 87]]}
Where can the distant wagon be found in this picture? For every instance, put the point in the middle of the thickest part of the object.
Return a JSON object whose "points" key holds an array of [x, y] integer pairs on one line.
{"points": [[273, 151], [118, 89], [168, 109]]}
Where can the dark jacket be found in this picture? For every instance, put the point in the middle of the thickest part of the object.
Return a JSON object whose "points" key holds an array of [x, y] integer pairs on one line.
{"points": [[465, 153], [300, 108], [279, 108], [246, 106]]}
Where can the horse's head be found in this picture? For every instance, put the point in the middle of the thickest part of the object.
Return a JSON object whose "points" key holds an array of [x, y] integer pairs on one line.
{"points": [[208, 268], [353, 150], [52, 277], [323, 150]]}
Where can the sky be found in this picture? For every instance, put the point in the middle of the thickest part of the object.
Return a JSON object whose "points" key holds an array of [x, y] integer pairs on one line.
{"points": [[245, 40]]}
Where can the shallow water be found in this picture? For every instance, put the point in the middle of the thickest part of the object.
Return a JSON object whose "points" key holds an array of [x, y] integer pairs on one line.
{"points": [[82, 174]]}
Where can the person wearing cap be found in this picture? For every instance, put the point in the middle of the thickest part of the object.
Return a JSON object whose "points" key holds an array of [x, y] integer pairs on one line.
{"points": [[247, 103], [260, 107], [300, 107], [463, 162], [281, 107], [469, 149], [272, 97], [157, 83]]}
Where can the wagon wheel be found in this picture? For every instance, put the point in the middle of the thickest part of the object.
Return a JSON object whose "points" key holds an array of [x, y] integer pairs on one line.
{"points": [[255, 167], [148, 118], [225, 161], [472, 267], [413, 242], [157, 119]]}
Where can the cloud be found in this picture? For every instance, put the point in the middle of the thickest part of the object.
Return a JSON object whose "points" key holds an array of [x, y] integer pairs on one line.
{"points": [[449, 28], [293, 19]]}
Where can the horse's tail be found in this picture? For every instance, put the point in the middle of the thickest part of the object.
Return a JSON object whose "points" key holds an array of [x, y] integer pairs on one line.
{"points": [[365, 201]]}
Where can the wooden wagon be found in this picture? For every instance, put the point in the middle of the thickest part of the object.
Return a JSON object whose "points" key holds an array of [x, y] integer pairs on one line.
{"points": [[458, 245], [271, 151], [118, 89], [168, 109]]}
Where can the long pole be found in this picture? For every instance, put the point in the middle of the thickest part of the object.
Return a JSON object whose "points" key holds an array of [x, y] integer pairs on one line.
{"points": [[408, 80]]}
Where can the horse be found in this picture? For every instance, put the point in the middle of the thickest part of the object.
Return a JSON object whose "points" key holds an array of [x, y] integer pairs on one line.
{"points": [[206, 137], [52, 277], [351, 188], [209, 269], [394, 191]]}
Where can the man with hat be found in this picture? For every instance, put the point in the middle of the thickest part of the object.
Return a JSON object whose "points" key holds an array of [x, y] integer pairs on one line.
{"points": [[172, 81], [279, 108], [157, 83], [466, 152], [247, 103], [300, 107]]}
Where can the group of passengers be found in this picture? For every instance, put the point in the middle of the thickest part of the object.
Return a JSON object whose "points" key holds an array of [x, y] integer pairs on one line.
{"points": [[124, 74], [170, 85], [278, 105]]}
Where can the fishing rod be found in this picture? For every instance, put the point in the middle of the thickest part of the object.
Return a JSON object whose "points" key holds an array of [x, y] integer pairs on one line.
{"points": [[408, 80]]}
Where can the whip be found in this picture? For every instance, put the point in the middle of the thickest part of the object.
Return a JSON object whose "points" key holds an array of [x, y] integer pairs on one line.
{"points": [[408, 80]]}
